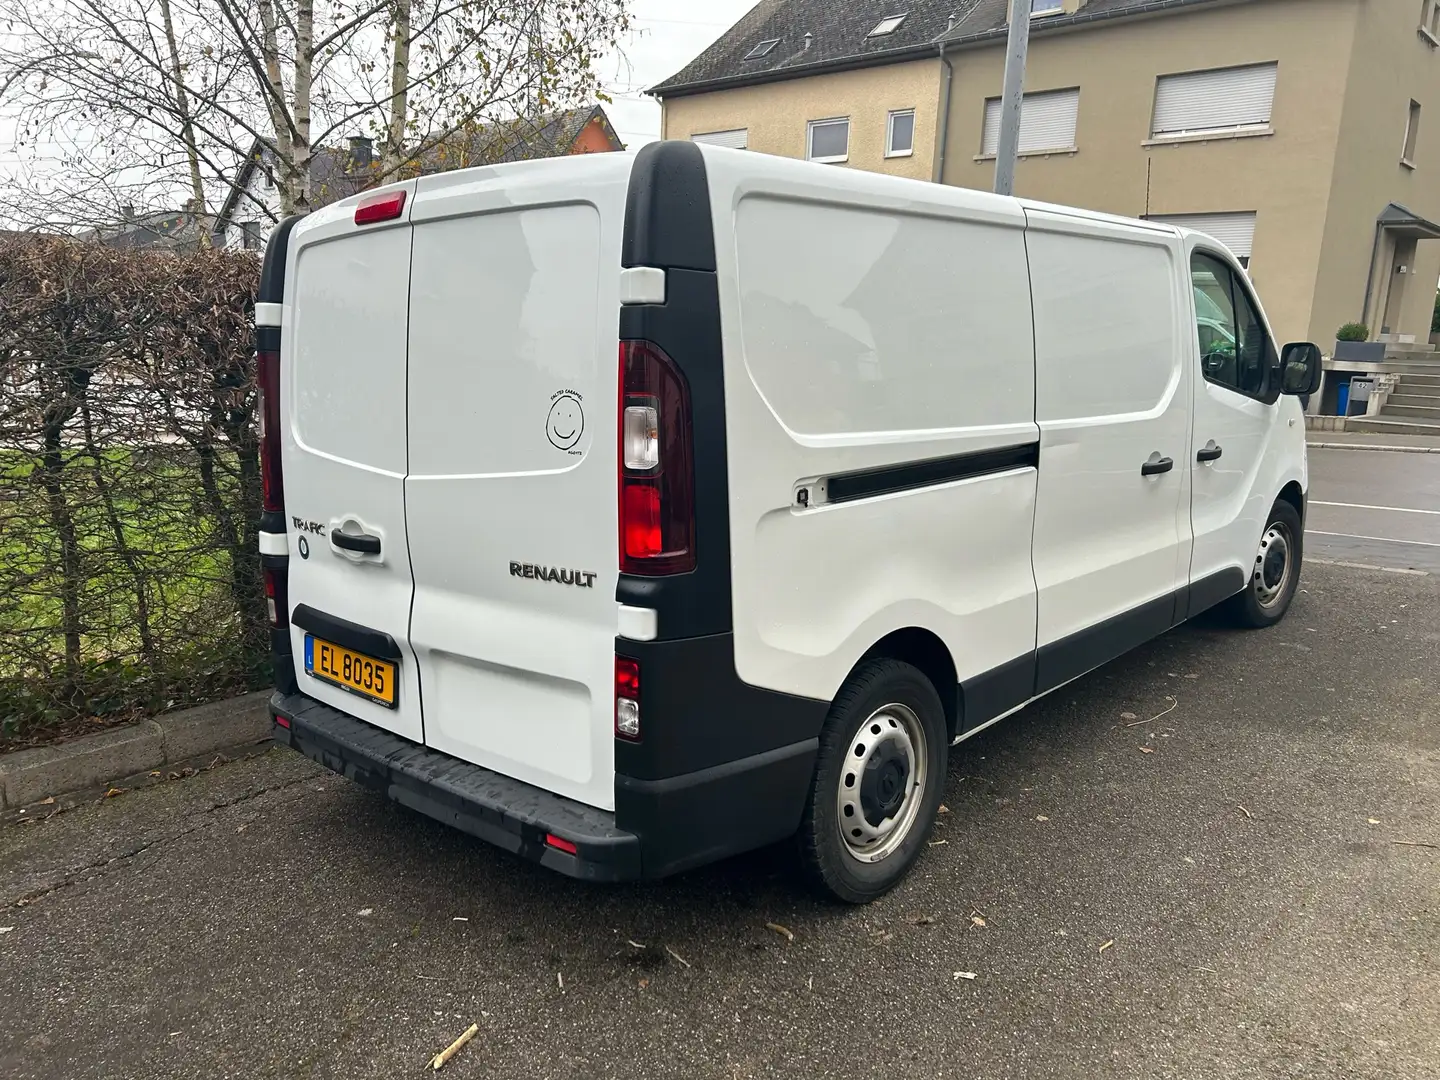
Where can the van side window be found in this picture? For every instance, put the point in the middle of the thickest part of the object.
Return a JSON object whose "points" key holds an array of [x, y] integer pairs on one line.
{"points": [[1234, 347]]}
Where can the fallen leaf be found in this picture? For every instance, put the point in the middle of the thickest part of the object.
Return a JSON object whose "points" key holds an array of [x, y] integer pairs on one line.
{"points": [[1041, 817], [943, 809], [1128, 716], [976, 920], [114, 791], [6, 929], [966, 975], [1374, 821], [157, 774], [644, 983], [242, 828], [1146, 749], [48, 801], [366, 911], [1107, 944], [783, 931]]}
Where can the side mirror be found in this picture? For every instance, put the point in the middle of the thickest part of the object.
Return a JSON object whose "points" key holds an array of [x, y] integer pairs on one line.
{"points": [[1300, 368]]}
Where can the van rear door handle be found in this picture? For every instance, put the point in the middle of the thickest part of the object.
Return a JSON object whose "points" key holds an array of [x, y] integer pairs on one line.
{"points": [[1208, 453], [362, 544], [1157, 466]]}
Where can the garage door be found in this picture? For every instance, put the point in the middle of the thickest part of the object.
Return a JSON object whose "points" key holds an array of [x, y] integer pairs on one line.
{"points": [[1235, 230]]}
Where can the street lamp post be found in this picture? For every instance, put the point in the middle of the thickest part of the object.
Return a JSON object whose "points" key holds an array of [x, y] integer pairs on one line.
{"points": [[1018, 44]]}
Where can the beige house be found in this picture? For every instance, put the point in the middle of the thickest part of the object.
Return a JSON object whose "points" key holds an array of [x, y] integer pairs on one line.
{"points": [[1297, 131]]}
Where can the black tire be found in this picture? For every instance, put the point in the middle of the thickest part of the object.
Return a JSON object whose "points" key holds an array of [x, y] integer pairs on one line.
{"points": [[833, 868], [1260, 605]]}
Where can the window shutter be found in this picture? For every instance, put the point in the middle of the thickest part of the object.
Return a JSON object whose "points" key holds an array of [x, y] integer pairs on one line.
{"points": [[1047, 122], [1236, 230], [738, 139], [1214, 100]]}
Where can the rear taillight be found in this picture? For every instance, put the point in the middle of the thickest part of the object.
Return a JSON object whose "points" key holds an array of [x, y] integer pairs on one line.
{"points": [[627, 698], [657, 472], [277, 596], [267, 376]]}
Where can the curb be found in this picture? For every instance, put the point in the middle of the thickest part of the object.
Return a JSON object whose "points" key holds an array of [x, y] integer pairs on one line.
{"points": [[1372, 446], [27, 776]]}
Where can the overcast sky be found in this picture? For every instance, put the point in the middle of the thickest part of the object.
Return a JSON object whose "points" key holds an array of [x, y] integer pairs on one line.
{"points": [[669, 34]]}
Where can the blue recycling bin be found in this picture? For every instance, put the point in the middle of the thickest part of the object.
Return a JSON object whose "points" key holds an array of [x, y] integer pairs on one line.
{"points": [[1342, 399]]}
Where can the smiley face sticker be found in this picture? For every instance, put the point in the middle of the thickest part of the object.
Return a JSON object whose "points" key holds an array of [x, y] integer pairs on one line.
{"points": [[566, 421]]}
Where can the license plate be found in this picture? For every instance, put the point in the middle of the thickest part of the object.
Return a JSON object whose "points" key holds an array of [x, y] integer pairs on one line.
{"points": [[360, 674]]}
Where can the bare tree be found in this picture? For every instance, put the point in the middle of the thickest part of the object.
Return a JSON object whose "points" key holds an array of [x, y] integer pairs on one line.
{"points": [[148, 98]]}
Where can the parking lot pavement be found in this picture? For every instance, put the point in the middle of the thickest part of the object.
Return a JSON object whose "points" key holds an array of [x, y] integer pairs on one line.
{"points": [[266, 919], [1375, 508]]}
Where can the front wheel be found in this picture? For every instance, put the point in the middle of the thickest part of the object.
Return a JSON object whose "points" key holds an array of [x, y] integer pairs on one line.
{"points": [[878, 781], [1276, 572]]}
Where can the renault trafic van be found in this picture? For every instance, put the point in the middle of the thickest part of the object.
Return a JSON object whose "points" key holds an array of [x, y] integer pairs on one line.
{"points": [[633, 510]]}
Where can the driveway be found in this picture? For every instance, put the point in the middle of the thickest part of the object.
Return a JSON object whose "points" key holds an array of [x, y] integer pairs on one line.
{"points": [[1219, 892]]}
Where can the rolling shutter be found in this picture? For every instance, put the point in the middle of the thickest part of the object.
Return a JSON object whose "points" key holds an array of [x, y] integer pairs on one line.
{"points": [[1047, 122], [1214, 100], [738, 139], [1236, 230]]}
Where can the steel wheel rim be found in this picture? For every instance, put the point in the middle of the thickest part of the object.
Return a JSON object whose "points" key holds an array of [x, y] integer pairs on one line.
{"points": [[882, 783], [1273, 565]]}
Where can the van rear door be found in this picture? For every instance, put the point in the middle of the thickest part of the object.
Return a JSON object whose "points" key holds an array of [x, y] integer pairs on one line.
{"points": [[344, 461], [511, 496]]}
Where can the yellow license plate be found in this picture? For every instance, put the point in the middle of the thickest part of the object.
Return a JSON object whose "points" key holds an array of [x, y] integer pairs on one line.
{"points": [[360, 674]]}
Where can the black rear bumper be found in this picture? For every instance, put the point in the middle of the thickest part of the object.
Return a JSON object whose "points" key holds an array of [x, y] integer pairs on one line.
{"points": [[669, 825]]}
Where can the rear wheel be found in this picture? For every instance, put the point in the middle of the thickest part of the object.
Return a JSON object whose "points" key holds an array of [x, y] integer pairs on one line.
{"points": [[878, 782], [1275, 573]]}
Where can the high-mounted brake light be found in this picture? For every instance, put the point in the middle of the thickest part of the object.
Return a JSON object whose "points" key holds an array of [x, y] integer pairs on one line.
{"points": [[657, 472], [627, 698], [385, 207]]}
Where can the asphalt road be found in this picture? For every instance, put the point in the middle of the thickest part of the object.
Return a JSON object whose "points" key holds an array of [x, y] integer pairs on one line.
{"points": [[1376, 508], [266, 919]]}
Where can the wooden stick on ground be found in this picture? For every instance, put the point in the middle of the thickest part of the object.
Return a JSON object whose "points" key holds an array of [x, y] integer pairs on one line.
{"points": [[439, 1060]]}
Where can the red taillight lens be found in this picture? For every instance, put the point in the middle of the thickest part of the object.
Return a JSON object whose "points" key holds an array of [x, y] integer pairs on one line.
{"points": [[385, 207], [277, 597], [281, 720], [627, 698], [656, 464], [267, 377]]}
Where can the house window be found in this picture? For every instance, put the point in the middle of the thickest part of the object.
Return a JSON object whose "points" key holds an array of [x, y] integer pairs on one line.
{"points": [[1045, 7], [1235, 230], [250, 235], [1430, 21], [1214, 102], [762, 49], [887, 25], [1412, 135], [1047, 122], [900, 134], [829, 140], [736, 139]]}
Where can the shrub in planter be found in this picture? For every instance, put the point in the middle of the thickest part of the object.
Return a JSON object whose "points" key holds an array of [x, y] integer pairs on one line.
{"points": [[1351, 344], [1353, 331]]}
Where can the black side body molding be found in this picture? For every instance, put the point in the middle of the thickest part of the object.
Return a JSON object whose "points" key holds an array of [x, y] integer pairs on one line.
{"points": [[930, 472], [343, 632]]}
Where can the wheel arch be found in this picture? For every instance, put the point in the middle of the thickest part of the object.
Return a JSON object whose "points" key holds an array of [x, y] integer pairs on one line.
{"points": [[923, 650], [1295, 496]]}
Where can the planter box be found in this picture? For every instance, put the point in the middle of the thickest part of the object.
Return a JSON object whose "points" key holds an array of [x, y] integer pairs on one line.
{"points": [[1360, 352]]}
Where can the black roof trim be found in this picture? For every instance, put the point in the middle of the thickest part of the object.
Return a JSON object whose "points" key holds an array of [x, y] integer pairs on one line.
{"points": [[667, 209]]}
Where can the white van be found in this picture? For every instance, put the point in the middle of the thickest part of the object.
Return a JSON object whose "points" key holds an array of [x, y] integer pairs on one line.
{"points": [[634, 510]]}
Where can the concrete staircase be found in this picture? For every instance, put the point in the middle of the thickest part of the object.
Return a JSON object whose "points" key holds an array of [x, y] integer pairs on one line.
{"points": [[1413, 408]]}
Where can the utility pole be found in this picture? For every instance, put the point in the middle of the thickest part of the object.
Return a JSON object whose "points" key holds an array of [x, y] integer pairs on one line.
{"points": [[1013, 95]]}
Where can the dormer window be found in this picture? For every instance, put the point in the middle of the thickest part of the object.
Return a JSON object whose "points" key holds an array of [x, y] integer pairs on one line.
{"points": [[762, 49], [886, 26]]}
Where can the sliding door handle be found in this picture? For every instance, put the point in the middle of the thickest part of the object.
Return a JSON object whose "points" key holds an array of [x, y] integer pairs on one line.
{"points": [[1156, 466], [1208, 453]]}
